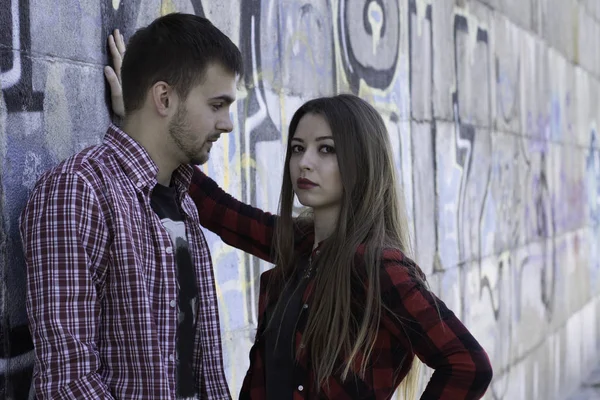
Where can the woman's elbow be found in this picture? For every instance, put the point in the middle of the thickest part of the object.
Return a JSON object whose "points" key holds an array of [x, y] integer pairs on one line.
{"points": [[483, 372]]}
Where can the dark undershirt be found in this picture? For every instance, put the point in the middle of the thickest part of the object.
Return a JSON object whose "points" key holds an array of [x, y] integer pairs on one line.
{"points": [[165, 205], [279, 339]]}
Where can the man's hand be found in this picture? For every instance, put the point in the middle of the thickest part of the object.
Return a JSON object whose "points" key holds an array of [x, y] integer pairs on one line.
{"points": [[116, 45]]}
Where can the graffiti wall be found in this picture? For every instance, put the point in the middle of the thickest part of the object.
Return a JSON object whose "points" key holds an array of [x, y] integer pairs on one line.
{"points": [[492, 109]]}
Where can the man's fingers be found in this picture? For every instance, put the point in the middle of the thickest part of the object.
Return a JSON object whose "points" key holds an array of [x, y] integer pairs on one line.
{"points": [[113, 81], [120, 42], [112, 46], [116, 46], [116, 56], [116, 93]]}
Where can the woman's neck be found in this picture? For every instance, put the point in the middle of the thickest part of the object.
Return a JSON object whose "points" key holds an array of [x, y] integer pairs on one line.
{"points": [[325, 221]]}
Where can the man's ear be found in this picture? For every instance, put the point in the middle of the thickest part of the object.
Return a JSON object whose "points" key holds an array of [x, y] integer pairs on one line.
{"points": [[164, 98]]}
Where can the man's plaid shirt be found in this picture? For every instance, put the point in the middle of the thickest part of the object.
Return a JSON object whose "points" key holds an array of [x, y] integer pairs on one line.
{"points": [[101, 280]]}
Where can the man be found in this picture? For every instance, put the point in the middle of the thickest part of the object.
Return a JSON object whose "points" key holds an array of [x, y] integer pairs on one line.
{"points": [[120, 290]]}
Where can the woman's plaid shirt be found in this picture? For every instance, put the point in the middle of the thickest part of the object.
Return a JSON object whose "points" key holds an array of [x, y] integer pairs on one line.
{"points": [[429, 330]]}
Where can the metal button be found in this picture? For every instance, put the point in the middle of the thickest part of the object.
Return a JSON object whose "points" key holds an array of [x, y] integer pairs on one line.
{"points": [[169, 250], [305, 306], [300, 388], [173, 303]]}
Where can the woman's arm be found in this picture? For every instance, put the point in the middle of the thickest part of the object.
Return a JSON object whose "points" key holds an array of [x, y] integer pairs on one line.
{"points": [[432, 331], [240, 225]]}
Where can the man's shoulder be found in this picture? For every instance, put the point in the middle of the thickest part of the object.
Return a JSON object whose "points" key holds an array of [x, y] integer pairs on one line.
{"points": [[92, 165], [82, 174]]}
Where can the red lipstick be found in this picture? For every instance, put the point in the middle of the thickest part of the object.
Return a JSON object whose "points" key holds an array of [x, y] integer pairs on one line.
{"points": [[304, 183]]}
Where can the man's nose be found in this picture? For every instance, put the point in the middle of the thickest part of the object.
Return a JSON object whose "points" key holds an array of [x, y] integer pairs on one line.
{"points": [[226, 124]]}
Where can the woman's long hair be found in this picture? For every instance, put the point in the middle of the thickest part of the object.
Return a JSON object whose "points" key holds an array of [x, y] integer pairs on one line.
{"points": [[372, 213]]}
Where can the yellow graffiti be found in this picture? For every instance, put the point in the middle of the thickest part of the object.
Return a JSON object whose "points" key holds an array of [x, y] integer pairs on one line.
{"points": [[247, 162], [167, 7], [226, 166]]}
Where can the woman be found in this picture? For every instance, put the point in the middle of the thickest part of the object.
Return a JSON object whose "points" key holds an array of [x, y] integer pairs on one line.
{"points": [[344, 312]]}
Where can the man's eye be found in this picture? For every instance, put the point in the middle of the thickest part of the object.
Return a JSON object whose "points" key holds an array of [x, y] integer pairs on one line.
{"points": [[217, 107]]}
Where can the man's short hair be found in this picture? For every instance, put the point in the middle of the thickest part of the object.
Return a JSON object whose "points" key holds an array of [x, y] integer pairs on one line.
{"points": [[177, 49]]}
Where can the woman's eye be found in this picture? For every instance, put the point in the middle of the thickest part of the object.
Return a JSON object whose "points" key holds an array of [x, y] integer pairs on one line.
{"points": [[327, 149], [296, 148]]}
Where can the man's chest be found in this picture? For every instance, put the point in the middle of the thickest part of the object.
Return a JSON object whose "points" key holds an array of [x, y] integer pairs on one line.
{"points": [[142, 253]]}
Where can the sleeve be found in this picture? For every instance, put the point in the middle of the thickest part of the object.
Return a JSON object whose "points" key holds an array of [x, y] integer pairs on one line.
{"points": [[240, 225], [423, 323], [63, 237]]}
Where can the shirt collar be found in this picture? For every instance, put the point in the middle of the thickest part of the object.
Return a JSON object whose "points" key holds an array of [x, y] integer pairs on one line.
{"points": [[182, 177], [137, 164]]}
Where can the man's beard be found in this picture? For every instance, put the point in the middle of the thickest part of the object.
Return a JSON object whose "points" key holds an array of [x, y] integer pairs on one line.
{"points": [[179, 132]]}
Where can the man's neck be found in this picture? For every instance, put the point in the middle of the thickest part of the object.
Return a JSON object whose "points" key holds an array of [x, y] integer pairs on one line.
{"points": [[146, 135]]}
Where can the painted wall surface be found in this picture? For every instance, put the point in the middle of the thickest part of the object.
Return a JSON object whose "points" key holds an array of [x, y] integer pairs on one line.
{"points": [[492, 107]]}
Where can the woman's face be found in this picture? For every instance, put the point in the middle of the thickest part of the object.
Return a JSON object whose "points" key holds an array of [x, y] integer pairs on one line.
{"points": [[314, 167]]}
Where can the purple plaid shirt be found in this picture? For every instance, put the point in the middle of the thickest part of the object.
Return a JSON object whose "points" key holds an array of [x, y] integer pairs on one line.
{"points": [[101, 280]]}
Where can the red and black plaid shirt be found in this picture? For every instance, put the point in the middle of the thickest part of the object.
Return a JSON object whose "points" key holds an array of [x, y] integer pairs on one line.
{"points": [[429, 330], [101, 280]]}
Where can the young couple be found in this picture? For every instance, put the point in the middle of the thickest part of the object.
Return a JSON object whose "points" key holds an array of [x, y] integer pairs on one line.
{"points": [[121, 294]]}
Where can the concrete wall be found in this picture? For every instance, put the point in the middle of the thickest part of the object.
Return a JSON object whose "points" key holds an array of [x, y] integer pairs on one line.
{"points": [[492, 107]]}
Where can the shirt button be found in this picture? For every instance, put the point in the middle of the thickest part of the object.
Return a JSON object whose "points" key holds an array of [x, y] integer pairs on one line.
{"points": [[139, 184], [169, 250], [173, 303], [171, 358], [305, 306], [300, 388]]}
